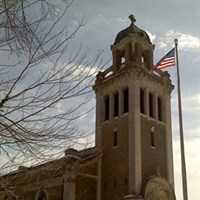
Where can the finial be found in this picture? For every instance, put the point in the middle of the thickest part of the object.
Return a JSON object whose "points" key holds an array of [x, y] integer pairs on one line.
{"points": [[132, 18], [176, 41]]}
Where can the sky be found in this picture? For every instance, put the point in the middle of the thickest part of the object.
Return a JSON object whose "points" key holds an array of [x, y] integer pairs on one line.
{"points": [[163, 21]]}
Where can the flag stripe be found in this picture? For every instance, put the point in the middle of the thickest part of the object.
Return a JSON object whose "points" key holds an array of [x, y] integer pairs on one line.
{"points": [[167, 61]]}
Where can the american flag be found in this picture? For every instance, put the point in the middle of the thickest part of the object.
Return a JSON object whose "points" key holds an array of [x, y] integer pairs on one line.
{"points": [[167, 61]]}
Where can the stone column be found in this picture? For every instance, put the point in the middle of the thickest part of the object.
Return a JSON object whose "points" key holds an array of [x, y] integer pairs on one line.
{"points": [[100, 114], [99, 174], [138, 53], [121, 101], [111, 105], [128, 52], [135, 174], [116, 59], [69, 192], [148, 58], [169, 149], [147, 101], [155, 105]]}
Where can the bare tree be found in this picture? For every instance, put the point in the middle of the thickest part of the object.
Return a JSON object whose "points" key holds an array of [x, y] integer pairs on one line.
{"points": [[43, 86]]}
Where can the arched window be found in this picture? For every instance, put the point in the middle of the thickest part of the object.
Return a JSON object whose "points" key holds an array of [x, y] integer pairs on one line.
{"points": [[42, 195]]}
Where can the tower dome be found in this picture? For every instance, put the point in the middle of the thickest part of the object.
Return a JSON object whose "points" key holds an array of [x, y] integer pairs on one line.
{"points": [[132, 29]]}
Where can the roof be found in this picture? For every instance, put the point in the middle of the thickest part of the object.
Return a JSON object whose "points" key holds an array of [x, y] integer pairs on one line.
{"points": [[132, 29], [71, 156]]}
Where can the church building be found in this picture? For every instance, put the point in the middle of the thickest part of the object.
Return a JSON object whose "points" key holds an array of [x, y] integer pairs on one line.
{"points": [[132, 157]]}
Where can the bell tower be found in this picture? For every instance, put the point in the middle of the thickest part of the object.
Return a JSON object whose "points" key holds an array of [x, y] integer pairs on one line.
{"points": [[133, 121]]}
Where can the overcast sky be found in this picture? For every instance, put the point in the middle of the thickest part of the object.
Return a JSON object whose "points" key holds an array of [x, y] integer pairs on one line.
{"points": [[164, 21]]}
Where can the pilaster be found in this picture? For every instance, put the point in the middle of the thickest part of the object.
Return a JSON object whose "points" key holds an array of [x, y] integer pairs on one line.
{"points": [[169, 148], [135, 174], [99, 119], [69, 189], [120, 102], [111, 106], [155, 99], [99, 174]]}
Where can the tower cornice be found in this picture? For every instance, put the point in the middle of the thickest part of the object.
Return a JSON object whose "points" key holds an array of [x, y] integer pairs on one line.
{"points": [[138, 73]]}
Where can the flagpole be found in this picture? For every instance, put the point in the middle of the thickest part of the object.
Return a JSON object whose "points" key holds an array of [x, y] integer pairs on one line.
{"points": [[183, 165]]}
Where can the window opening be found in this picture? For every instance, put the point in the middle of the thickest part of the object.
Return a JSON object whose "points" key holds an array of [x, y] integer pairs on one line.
{"points": [[142, 101], [125, 100], [118, 57], [122, 60], [142, 59], [150, 104], [115, 138], [105, 185], [42, 196], [160, 109], [152, 137], [115, 183], [126, 181], [107, 107], [116, 104]]}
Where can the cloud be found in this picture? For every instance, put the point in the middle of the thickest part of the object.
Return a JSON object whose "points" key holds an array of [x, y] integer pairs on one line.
{"points": [[191, 102], [186, 41], [193, 174], [191, 115], [191, 108]]}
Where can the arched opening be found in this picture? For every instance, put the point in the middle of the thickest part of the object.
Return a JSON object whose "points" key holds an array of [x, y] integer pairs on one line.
{"points": [[41, 195]]}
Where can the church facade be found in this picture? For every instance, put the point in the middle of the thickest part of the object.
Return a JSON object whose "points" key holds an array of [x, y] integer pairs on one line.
{"points": [[132, 158]]}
